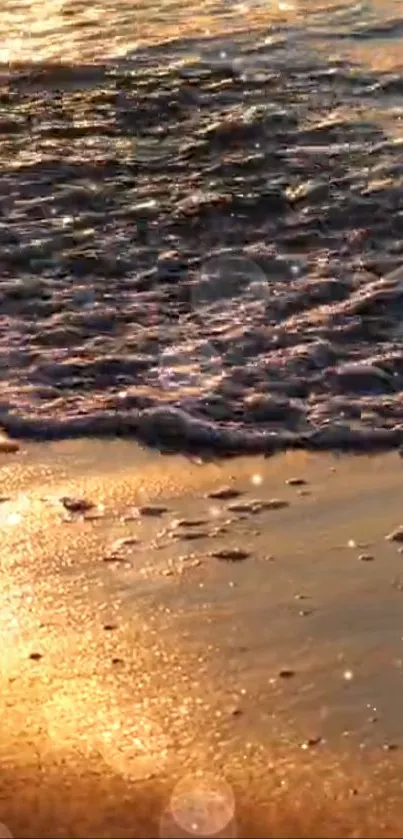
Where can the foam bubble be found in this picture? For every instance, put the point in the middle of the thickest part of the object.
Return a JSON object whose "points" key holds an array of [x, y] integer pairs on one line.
{"points": [[228, 277], [203, 805]]}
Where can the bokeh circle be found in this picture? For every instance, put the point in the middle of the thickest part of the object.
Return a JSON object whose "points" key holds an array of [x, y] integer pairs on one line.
{"points": [[202, 804]]}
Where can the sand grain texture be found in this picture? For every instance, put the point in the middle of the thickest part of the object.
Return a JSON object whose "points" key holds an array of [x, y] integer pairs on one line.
{"points": [[118, 680]]}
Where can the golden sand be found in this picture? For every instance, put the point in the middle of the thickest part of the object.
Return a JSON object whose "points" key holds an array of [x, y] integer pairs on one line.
{"points": [[149, 688]]}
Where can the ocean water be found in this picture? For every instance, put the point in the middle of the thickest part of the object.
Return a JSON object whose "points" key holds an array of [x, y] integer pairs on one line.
{"points": [[201, 222]]}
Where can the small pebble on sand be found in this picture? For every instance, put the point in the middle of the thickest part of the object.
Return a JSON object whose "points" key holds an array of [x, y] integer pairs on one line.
{"points": [[390, 747], [245, 507], [311, 742], [395, 535], [8, 446], [231, 554], [35, 656], [153, 510], [76, 505], [113, 557], [286, 673], [224, 493], [235, 712], [274, 504], [366, 557], [189, 522], [296, 482], [193, 535], [4, 498]]}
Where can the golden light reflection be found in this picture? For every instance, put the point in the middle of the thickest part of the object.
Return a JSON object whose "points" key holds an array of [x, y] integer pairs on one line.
{"points": [[73, 30], [85, 717], [14, 632]]}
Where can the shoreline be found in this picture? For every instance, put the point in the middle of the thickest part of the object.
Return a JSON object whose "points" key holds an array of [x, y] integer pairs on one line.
{"points": [[171, 430], [135, 654]]}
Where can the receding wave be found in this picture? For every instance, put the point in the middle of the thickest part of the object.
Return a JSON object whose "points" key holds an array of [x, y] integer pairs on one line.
{"points": [[201, 246]]}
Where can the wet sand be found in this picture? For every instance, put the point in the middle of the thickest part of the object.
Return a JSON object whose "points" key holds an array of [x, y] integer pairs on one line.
{"points": [[134, 655]]}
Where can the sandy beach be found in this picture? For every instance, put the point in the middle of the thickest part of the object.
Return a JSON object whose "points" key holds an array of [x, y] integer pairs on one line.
{"points": [[232, 626], [201, 226]]}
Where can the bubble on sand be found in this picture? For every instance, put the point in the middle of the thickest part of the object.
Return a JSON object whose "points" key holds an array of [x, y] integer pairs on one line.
{"points": [[348, 675], [202, 805]]}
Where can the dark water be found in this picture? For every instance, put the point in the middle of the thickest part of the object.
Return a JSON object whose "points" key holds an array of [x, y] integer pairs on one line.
{"points": [[201, 234]]}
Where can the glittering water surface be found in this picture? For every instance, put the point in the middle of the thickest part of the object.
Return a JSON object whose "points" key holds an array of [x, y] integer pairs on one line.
{"points": [[201, 222]]}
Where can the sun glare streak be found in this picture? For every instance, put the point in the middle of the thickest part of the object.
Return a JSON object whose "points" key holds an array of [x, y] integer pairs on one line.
{"points": [[70, 30]]}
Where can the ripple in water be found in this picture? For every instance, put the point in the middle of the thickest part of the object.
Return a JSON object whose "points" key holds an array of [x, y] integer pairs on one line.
{"points": [[201, 243]]}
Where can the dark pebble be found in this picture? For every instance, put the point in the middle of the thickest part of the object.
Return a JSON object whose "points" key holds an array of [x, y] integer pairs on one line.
{"points": [[152, 510], [390, 747], [245, 507], [286, 674], [366, 557], [236, 712], [296, 482], [396, 535], [76, 505], [35, 656], [117, 660], [113, 558], [231, 554], [274, 504], [311, 742], [224, 493], [109, 626], [8, 446]]}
